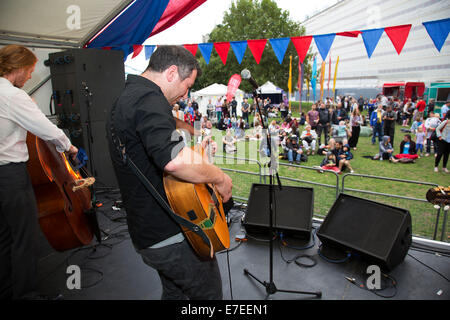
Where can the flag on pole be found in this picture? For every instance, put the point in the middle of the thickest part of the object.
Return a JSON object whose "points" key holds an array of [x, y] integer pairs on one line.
{"points": [[314, 79], [329, 76], [322, 78], [300, 83], [335, 74], [290, 81]]}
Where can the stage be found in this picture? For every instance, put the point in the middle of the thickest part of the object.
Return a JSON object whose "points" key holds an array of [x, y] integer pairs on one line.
{"points": [[114, 271]]}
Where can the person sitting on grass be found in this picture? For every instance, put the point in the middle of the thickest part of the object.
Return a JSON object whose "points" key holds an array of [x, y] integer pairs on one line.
{"points": [[329, 162], [229, 142], [309, 138], [323, 149], [295, 150], [344, 157], [407, 148], [385, 151]]}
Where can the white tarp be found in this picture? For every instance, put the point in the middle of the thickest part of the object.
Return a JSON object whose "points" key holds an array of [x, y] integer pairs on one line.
{"points": [[270, 88], [213, 93]]}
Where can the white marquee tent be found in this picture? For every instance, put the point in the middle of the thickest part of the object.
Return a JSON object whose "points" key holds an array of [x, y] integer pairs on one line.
{"points": [[213, 93]]}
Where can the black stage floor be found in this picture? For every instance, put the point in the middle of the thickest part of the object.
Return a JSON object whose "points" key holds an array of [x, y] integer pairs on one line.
{"points": [[114, 271]]}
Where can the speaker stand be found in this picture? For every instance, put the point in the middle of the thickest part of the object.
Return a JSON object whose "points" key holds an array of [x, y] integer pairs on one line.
{"points": [[270, 286]]}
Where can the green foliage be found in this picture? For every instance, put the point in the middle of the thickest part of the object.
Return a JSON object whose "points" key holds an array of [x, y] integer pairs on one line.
{"points": [[248, 20]]}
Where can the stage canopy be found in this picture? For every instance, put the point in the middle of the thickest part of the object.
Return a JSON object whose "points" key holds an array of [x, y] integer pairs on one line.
{"points": [[87, 23]]}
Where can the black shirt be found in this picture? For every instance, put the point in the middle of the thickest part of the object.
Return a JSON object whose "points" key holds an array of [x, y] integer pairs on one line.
{"points": [[144, 123]]}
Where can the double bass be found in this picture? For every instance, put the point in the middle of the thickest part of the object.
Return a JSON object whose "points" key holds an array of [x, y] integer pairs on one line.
{"points": [[63, 198]]}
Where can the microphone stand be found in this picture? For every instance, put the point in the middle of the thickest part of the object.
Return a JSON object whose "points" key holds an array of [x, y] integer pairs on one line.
{"points": [[270, 286]]}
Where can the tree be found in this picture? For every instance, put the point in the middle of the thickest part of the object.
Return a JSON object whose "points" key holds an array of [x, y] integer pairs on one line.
{"points": [[247, 20]]}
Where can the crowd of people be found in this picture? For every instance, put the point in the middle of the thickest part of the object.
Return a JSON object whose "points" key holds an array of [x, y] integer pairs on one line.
{"points": [[332, 127]]}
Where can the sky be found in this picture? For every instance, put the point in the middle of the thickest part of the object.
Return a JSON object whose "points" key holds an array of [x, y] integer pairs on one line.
{"points": [[202, 21]]}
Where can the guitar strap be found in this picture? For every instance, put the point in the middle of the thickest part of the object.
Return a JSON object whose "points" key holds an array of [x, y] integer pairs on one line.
{"points": [[120, 147]]}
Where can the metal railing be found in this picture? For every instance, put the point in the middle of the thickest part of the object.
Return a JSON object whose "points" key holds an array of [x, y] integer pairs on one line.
{"points": [[420, 209], [426, 218]]}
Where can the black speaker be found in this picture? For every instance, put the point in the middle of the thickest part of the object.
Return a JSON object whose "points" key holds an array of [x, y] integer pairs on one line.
{"points": [[85, 83], [380, 233], [293, 210]]}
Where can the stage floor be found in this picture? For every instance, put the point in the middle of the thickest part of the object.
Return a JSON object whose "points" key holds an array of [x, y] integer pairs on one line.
{"points": [[114, 271]]}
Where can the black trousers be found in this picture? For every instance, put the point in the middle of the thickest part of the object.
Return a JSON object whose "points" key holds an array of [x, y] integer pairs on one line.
{"points": [[322, 128], [18, 232], [443, 151], [183, 275]]}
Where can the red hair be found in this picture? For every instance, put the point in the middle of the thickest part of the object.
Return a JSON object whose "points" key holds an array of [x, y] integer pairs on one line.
{"points": [[13, 57]]}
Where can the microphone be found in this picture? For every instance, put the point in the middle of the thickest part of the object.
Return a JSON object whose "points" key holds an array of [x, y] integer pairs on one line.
{"points": [[245, 74]]}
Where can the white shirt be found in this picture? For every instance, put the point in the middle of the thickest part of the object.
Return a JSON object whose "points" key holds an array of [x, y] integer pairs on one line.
{"points": [[19, 114]]}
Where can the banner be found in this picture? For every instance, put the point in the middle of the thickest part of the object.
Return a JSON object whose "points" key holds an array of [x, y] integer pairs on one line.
{"points": [[322, 78], [329, 76], [314, 78], [233, 85], [290, 81], [300, 84], [335, 74]]}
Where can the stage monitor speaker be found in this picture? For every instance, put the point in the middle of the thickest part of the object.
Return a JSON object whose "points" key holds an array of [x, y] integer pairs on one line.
{"points": [[293, 210], [380, 233]]}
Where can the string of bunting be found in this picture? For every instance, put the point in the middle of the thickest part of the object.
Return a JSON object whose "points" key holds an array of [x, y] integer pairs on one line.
{"points": [[438, 31]]}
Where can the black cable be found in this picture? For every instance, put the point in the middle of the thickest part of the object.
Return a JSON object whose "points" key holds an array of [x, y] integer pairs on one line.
{"points": [[377, 291], [429, 267], [229, 275], [296, 258]]}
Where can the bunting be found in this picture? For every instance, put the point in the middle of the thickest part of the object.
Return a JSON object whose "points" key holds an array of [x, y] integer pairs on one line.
{"points": [[222, 49], [302, 45], [323, 43], [137, 48], [192, 48], [257, 48], [438, 31], [280, 46], [149, 51], [239, 48], [398, 36], [370, 39], [206, 50]]}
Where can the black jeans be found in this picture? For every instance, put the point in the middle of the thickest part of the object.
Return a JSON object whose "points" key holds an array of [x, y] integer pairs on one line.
{"points": [[321, 127], [183, 275], [18, 232], [443, 150]]}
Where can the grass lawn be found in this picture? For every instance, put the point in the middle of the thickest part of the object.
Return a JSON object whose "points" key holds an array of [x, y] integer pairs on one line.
{"points": [[423, 213]]}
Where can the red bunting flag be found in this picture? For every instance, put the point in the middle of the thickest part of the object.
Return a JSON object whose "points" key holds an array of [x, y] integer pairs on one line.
{"points": [[398, 35], [106, 48], [137, 48], [233, 84], [222, 49], [353, 34], [257, 48], [302, 45], [192, 48]]}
